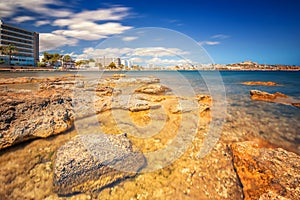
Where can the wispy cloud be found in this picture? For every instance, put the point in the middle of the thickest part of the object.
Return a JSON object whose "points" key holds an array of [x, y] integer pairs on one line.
{"points": [[220, 36], [86, 25], [175, 21], [210, 43], [160, 61], [73, 26], [23, 19], [215, 40], [92, 31], [129, 38], [42, 22], [9, 8]]}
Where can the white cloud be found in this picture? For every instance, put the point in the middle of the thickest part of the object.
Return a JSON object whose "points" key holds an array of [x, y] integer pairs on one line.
{"points": [[137, 60], [79, 34], [74, 26], [151, 55], [92, 31], [9, 8], [159, 61], [158, 52], [85, 26], [108, 52], [129, 38], [133, 52], [220, 36], [50, 41], [117, 13], [23, 19], [209, 43], [42, 22], [110, 14]]}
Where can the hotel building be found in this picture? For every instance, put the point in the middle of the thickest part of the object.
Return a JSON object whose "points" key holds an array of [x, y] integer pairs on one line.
{"points": [[26, 44]]}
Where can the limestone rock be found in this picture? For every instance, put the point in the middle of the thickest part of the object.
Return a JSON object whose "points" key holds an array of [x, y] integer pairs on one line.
{"points": [[104, 91], [153, 89], [267, 172], [137, 108], [26, 115], [277, 97], [265, 96], [296, 104], [269, 83], [90, 162]]}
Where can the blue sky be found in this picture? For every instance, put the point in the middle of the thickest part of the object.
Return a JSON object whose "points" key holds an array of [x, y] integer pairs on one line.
{"points": [[264, 31]]}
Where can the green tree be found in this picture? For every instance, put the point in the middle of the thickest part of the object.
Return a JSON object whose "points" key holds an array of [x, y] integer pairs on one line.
{"points": [[81, 62], [67, 58], [112, 65], [9, 50], [51, 58], [41, 64]]}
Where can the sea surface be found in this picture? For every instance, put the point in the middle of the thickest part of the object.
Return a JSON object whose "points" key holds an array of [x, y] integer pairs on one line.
{"points": [[276, 123]]}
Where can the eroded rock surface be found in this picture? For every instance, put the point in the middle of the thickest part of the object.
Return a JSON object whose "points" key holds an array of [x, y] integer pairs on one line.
{"points": [[90, 162], [277, 97], [26, 115], [267, 173]]}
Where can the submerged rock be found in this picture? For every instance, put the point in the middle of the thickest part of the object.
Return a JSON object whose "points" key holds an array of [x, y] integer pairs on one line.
{"points": [[265, 96], [90, 162], [26, 115], [296, 104], [277, 97], [269, 83], [267, 173]]}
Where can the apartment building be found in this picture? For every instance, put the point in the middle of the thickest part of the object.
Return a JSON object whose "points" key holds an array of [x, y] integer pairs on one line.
{"points": [[26, 44]]}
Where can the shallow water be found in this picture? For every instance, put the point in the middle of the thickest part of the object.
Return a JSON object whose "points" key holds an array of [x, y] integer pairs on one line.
{"points": [[27, 167], [275, 122]]}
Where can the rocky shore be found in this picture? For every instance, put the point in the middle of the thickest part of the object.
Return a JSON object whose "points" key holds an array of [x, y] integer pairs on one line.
{"points": [[66, 140]]}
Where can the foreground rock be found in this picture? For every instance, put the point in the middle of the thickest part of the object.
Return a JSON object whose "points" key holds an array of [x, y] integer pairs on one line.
{"points": [[90, 162], [26, 115], [267, 173], [269, 83], [277, 97]]}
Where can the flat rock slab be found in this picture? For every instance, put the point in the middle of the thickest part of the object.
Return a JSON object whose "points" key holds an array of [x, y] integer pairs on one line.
{"points": [[90, 162], [267, 173]]}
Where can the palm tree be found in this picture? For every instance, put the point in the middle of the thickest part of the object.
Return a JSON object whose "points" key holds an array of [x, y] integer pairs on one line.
{"points": [[8, 50]]}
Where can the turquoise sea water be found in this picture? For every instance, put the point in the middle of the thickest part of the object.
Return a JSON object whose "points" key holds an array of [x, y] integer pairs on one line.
{"points": [[277, 123]]}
